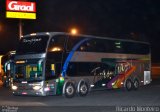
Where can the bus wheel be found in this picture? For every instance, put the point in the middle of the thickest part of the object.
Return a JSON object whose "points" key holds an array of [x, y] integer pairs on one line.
{"points": [[136, 84], [69, 90], [83, 88], [129, 85]]}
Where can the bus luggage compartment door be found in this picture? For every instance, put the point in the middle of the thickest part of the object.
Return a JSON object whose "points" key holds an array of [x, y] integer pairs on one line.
{"points": [[147, 77]]}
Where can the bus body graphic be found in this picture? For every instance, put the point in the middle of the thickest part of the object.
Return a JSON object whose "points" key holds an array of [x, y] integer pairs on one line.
{"points": [[120, 78], [59, 63]]}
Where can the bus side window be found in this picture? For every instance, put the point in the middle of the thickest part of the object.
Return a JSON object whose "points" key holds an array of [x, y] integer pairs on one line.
{"points": [[118, 47], [56, 43], [72, 41], [101, 46], [72, 69], [50, 70], [89, 46]]}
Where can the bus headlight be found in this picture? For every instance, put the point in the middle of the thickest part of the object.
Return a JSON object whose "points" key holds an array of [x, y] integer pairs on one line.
{"points": [[37, 87], [14, 87]]}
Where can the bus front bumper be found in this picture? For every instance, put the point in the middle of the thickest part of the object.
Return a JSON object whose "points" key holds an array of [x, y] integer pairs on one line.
{"points": [[29, 93]]}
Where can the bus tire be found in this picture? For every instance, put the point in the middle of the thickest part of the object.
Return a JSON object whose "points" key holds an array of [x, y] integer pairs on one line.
{"points": [[129, 85], [136, 84], [83, 88], [70, 90]]}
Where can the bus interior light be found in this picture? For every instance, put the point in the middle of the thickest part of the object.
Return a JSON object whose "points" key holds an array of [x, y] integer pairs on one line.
{"points": [[56, 49], [13, 52], [20, 62], [24, 82], [118, 43]]}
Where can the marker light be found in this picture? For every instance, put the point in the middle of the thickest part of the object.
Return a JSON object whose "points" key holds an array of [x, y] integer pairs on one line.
{"points": [[112, 84], [20, 62], [47, 33], [61, 79], [92, 85], [47, 89], [33, 34]]}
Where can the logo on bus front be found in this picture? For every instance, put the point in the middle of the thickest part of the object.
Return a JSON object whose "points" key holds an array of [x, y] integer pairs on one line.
{"points": [[31, 40]]}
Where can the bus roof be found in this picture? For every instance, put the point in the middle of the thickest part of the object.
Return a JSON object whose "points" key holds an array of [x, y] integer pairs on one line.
{"points": [[87, 36]]}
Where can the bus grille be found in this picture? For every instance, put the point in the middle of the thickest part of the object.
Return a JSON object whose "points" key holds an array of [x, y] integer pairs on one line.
{"points": [[25, 87]]}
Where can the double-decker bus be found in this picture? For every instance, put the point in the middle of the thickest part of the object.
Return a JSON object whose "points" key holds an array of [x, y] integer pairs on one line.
{"points": [[57, 63]]}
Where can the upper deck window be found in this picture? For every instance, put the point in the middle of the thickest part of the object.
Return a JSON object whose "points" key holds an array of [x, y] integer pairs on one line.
{"points": [[33, 44], [57, 43]]}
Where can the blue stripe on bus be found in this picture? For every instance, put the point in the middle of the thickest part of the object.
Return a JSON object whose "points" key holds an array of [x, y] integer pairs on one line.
{"points": [[65, 66]]}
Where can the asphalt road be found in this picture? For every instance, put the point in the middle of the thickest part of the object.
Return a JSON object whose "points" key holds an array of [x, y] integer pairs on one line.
{"points": [[96, 101]]}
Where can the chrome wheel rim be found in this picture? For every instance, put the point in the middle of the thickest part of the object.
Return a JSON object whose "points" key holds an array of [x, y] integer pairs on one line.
{"points": [[136, 84], [83, 89], [70, 90], [129, 85]]}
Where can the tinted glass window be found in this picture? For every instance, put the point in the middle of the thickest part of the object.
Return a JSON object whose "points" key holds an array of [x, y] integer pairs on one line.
{"points": [[29, 70], [72, 41], [114, 46], [89, 46], [87, 69], [57, 43], [34, 44], [136, 48], [97, 45], [52, 70]]}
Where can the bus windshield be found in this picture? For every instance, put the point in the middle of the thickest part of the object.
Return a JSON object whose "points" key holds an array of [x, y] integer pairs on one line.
{"points": [[33, 44], [29, 70]]}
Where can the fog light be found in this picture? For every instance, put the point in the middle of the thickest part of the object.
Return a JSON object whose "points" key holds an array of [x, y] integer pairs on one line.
{"points": [[36, 87], [14, 87]]}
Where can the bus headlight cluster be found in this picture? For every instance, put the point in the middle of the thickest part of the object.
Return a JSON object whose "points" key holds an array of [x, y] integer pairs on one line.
{"points": [[37, 87], [14, 87]]}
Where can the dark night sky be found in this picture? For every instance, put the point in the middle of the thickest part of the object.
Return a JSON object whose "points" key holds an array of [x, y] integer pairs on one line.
{"points": [[131, 19]]}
